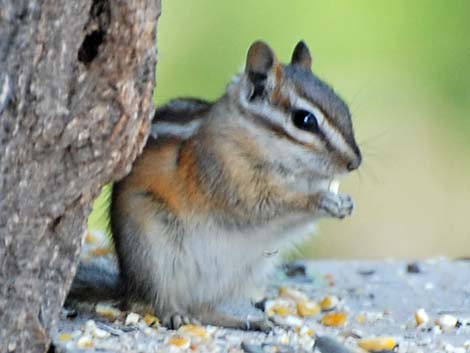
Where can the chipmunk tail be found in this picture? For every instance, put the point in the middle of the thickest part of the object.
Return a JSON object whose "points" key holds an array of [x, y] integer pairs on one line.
{"points": [[95, 281]]}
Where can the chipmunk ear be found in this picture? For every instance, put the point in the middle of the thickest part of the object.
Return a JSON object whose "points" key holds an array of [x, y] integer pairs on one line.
{"points": [[260, 65], [301, 56]]}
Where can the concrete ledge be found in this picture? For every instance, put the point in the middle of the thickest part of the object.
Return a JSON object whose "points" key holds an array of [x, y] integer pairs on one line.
{"points": [[377, 299]]}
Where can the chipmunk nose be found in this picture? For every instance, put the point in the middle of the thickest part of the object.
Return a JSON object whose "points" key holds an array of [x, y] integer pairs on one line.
{"points": [[354, 164]]}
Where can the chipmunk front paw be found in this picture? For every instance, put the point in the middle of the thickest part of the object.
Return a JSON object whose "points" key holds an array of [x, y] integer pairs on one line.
{"points": [[335, 205]]}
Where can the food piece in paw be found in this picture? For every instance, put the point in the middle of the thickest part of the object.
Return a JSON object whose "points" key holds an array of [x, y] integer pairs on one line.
{"points": [[334, 186]]}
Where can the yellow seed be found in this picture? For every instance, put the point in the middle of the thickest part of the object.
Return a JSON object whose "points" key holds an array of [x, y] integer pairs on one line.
{"points": [[303, 330], [281, 310], [194, 330], [329, 303], [334, 319], [377, 344], [65, 337], [421, 317], [100, 252], [107, 311], [90, 239], [85, 342], [151, 320], [281, 307], [293, 294], [179, 342], [361, 319], [308, 308]]}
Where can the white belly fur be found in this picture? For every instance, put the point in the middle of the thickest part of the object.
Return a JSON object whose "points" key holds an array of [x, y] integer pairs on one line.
{"points": [[209, 264]]}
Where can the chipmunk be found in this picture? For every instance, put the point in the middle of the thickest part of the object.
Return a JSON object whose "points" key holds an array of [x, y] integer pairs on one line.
{"points": [[221, 186]]}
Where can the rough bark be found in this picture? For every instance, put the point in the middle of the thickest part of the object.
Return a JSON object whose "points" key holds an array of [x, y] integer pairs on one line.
{"points": [[76, 84]]}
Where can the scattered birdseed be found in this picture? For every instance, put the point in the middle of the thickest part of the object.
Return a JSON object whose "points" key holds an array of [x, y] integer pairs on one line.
{"points": [[421, 317], [90, 238], [335, 319], [65, 337], [100, 252], [281, 307], [193, 330], [95, 331], [329, 303], [308, 308], [289, 320], [85, 342], [180, 342], [447, 322], [386, 302], [132, 319], [413, 268], [361, 319], [377, 344], [151, 320], [293, 294], [107, 311]]}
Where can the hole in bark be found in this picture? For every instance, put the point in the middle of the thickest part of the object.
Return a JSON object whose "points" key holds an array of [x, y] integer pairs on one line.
{"points": [[96, 27], [89, 49], [56, 222]]}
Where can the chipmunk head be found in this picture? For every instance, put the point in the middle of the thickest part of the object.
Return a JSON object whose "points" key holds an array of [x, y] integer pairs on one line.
{"points": [[302, 125]]}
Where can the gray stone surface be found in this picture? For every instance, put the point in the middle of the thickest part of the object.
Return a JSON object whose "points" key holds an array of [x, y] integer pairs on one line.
{"points": [[379, 299]]}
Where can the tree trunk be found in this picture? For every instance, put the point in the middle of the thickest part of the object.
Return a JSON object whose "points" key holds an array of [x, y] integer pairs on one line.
{"points": [[76, 84]]}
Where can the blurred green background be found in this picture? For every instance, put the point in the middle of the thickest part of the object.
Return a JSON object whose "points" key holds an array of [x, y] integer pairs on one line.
{"points": [[404, 69]]}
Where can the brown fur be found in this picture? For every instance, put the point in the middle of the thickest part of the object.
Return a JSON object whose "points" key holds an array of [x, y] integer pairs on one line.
{"points": [[224, 182]]}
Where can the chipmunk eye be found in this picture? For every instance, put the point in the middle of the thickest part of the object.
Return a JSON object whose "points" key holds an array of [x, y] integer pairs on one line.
{"points": [[305, 120]]}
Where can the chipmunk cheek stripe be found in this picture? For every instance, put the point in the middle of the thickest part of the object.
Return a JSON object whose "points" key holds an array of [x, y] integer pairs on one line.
{"points": [[271, 125], [336, 138], [331, 135]]}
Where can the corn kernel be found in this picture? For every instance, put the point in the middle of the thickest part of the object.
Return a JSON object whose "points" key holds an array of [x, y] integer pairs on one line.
{"points": [[329, 303], [90, 239], [334, 319], [361, 319], [307, 308], [151, 320], [281, 310], [421, 317], [100, 252], [377, 344], [304, 330], [85, 342], [292, 294], [281, 307], [65, 337], [95, 331], [107, 311], [179, 342], [194, 330]]}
